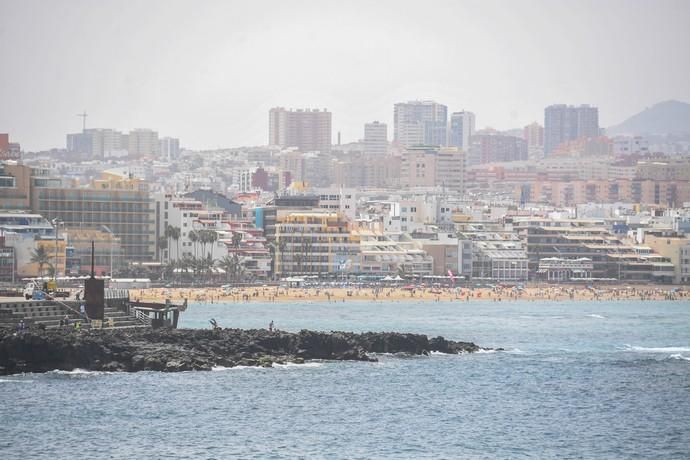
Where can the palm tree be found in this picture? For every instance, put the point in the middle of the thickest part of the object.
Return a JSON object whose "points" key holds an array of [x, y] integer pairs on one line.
{"points": [[282, 244], [228, 264], [207, 237], [40, 256], [168, 236], [194, 238], [175, 235], [162, 244]]}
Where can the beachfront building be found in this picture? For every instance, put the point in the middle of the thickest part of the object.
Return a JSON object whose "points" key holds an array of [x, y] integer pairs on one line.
{"points": [[119, 202], [675, 247], [611, 258], [315, 242], [560, 269], [495, 256], [391, 253], [248, 252]]}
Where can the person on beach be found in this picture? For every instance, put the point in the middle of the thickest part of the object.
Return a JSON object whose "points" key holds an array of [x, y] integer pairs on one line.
{"points": [[270, 326]]}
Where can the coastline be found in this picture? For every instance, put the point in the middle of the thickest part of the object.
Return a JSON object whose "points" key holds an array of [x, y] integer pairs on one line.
{"points": [[340, 294]]}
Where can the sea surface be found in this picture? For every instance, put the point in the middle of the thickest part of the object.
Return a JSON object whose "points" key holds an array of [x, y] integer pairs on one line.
{"points": [[602, 380]]}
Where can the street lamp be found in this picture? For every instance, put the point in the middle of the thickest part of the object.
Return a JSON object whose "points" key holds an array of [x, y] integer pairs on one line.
{"points": [[56, 223]]}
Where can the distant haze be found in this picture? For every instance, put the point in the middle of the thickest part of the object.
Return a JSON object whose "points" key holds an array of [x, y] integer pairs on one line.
{"points": [[208, 71]]}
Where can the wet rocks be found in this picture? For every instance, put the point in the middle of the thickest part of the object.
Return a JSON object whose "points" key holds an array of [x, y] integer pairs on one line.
{"points": [[201, 349]]}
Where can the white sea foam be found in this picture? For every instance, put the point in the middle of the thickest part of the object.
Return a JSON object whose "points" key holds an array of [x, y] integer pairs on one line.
{"points": [[77, 372], [515, 351], [657, 349], [296, 365], [594, 315], [679, 356], [15, 381], [233, 368], [439, 353], [481, 351]]}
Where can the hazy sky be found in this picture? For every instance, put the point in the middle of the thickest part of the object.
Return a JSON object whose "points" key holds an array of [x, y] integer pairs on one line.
{"points": [[208, 71]]}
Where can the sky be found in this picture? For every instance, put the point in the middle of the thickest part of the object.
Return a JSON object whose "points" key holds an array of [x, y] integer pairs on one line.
{"points": [[207, 71]]}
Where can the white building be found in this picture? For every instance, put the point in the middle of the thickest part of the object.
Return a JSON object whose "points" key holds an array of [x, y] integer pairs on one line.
{"points": [[375, 138], [143, 142], [169, 148], [343, 200]]}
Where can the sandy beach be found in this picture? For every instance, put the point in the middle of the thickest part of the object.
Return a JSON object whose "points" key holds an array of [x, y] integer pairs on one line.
{"points": [[339, 294]]}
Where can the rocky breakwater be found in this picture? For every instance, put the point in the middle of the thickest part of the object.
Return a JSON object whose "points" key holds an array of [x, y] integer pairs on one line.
{"points": [[201, 349]]}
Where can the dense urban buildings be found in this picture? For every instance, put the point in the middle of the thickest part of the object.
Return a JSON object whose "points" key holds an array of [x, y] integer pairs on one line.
{"points": [[446, 201]]}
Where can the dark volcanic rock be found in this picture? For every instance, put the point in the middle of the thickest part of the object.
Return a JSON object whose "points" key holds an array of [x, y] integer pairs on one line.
{"points": [[200, 349]]}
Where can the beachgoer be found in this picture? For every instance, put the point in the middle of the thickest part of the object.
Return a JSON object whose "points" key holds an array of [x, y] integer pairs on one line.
{"points": [[270, 326], [66, 320], [21, 326], [77, 326]]}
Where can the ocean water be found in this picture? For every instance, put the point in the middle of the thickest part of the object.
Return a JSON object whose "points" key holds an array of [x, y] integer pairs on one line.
{"points": [[576, 380]]}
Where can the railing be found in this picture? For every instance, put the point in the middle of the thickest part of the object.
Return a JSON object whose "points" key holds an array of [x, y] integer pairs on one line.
{"points": [[78, 313], [143, 317]]}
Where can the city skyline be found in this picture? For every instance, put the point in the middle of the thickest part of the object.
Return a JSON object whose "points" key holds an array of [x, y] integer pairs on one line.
{"points": [[209, 73]]}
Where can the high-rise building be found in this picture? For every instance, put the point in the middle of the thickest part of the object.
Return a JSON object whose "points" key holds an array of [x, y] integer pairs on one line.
{"points": [[494, 147], [308, 130], [534, 135], [169, 148], [143, 142], [95, 143], [566, 123], [461, 129], [420, 123], [375, 138]]}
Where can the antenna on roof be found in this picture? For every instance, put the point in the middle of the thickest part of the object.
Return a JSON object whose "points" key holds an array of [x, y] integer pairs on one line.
{"points": [[93, 265], [83, 119]]}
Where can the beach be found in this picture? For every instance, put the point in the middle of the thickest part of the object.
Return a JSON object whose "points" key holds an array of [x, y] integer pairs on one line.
{"points": [[459, 294]]}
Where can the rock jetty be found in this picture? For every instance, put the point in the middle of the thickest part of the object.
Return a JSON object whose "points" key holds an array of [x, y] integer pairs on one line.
{"points": [[200, 349]]}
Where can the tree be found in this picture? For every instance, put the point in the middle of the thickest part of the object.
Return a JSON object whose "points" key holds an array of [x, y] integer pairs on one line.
{"points": [[207, 237], [175, 235], [40, 256], [229, 264], [194, 238], [282, 244], [167, 234], [162, 245]]}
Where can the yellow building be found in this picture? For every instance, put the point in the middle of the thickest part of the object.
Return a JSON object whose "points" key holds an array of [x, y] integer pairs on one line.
{"points": [[313, 242], [55, 250], [677, 249]]}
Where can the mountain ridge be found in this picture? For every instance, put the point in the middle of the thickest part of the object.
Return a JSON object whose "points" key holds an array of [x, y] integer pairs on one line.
{"points": [[663, 118]]}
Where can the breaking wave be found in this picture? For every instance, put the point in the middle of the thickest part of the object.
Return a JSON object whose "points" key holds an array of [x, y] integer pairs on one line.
{"points": [[679, 356], [657, 349]]}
